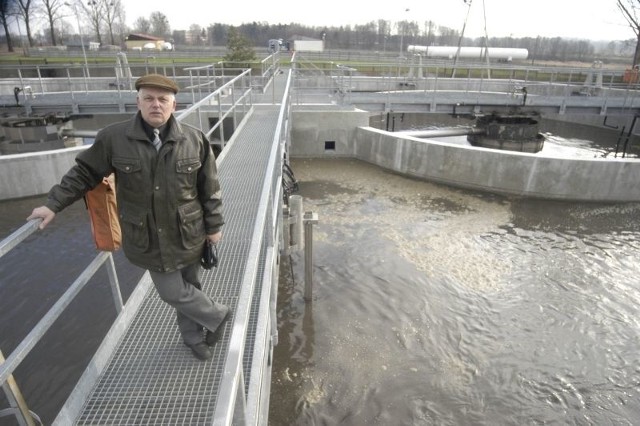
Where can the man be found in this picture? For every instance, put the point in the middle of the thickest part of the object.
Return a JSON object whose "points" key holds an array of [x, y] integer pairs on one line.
{"points": [[168, 202]]}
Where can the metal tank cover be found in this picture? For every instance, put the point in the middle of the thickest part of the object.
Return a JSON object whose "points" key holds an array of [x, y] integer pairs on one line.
{"points": [[513, 132]]}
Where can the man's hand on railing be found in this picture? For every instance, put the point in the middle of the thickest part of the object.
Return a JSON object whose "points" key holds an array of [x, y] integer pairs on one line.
{"points": [[44, 213]]}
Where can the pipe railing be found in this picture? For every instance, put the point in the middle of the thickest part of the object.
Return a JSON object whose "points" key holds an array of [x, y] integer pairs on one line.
{"points": [[325, 74], [236, 94], [568, 85], [231, 404], [210, 79], [225, 101], [35, 335]]}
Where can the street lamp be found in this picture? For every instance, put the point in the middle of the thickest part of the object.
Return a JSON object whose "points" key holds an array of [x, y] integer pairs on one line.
{"points": [[84, 53], [402, 34]]}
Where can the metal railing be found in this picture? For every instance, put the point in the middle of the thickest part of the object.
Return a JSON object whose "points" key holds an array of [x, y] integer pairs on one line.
{"points": [[18, 406], [231, 99], [77, 77], [231, 405], [333, 77], [564, 86]]}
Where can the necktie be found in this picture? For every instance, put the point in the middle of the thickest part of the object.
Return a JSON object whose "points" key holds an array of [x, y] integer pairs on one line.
{"points": [[157, 143]]}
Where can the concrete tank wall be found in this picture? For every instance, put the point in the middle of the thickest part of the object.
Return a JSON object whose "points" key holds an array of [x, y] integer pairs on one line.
{"points": [[505, 172], [25, 175], [514, 173], [313, 130], [522, 174]]}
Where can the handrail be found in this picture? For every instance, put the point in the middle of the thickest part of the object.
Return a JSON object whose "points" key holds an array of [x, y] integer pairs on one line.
{"points": [[192, 114], [18, 236], [568, 85], [432, 75], [29, 342], [232, 382], [210, 80]]}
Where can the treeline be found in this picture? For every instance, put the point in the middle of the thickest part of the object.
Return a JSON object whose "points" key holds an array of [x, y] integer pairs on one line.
{"points": [[378, 36], [102, 21]]}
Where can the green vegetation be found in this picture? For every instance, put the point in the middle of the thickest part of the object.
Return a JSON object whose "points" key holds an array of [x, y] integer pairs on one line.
{"points": [[240, 50], [19, 59]]}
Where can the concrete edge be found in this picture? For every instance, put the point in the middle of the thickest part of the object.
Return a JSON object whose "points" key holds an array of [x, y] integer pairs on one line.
{"points": [[502, 172]]}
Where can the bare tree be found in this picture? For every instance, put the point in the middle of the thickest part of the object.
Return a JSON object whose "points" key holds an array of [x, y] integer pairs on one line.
{"points": [[25, 10], [52, 9], [113, 12], [384, 31], [142, 25], [159, 24], [429, 33], [629, 9], [194, 34], [94, 13], [7, 9]]}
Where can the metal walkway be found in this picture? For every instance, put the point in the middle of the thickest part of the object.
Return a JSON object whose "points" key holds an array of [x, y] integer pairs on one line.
{"points": [[151, 377]]}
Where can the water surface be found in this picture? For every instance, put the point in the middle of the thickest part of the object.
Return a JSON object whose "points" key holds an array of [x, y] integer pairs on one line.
{"points": [[437, 306], [432, 306]]}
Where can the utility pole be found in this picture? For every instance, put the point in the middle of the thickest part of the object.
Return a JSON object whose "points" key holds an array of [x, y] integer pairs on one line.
{"points": [[84, 53], [455, 59], [404, 22]]}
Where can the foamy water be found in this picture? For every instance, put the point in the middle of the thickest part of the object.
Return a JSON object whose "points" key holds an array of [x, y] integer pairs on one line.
{"points": [[434, 305]]}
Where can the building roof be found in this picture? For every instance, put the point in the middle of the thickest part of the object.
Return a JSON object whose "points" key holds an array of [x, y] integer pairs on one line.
{"points": [[303, 38], [142, 37]]}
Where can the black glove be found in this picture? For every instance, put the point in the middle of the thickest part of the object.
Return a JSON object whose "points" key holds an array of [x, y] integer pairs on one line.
{"points": [[209, 257]]}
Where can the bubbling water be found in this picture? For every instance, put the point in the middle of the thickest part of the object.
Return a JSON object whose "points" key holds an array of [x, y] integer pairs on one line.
{"points": [[434, 305]]}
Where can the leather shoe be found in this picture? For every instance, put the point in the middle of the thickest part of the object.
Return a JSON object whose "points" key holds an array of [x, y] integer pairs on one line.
{"points": [[212, 337], [201, 351]]}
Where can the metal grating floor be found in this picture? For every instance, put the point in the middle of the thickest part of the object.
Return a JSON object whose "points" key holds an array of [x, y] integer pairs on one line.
{"points": [[152, 378]]}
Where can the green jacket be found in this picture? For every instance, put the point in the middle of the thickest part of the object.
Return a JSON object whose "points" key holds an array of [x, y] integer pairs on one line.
{"points": [[168, 201]]}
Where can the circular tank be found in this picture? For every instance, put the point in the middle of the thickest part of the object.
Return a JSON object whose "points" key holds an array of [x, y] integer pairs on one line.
{"points": [[513, 132]]}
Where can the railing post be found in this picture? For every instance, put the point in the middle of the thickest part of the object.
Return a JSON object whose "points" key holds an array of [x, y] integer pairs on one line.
{"points": [[298, 235], [115, 285], [296, 241], [16, 400], [310, 219], [221, 120]]}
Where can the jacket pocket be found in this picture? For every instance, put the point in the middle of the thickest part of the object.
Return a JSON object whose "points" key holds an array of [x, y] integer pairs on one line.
{"points": [[128, 173], [135, 230], [186, 175], [191, 224]]}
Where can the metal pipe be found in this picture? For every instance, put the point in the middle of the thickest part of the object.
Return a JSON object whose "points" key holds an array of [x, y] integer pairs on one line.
{"points": [[296, 222], [85, 71], [447, 131], [16, 401], [310, 219], [18, 236], [78, 133], [23, 349], [114, 284]]}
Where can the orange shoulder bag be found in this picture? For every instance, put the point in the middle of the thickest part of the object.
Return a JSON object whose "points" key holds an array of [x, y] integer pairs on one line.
{"points": [[103, 214]]}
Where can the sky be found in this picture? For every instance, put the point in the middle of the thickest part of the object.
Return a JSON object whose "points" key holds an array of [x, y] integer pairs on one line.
{"points": [[583, 19]]}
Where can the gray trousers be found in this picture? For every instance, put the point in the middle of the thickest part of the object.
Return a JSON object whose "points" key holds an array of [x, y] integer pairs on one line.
{"points": [[194, 309]]}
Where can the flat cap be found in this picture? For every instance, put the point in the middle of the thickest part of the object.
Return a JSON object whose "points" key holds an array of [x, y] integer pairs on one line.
{"points": [[158, 81]]}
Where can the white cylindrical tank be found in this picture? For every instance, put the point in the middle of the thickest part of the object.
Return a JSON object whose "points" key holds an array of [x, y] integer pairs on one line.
{"points": [[505, 53]]}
